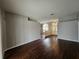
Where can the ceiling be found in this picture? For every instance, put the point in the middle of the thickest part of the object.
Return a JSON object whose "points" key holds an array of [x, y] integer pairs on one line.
{"points": [[41, 9]]}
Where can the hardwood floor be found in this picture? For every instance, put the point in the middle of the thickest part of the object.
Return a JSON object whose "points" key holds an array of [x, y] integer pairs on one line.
{"points": [[45, 49]]}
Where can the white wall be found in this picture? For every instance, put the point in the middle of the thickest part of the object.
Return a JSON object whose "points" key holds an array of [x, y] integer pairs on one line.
{"points": [[3, 31], [34, 30], [68, 30], [20, 31], [0, 35], [78, 28]]}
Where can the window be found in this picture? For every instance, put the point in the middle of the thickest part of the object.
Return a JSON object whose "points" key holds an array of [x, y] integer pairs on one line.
{"points": [[54, 27], [45, 27]]}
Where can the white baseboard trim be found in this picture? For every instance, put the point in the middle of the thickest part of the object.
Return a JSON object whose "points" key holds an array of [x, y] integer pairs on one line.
{"points": [[18, 45], [70, 40], [34, 40]]}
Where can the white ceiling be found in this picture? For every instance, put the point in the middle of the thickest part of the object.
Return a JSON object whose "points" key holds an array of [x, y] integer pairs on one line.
{"points": [[41, 9]]}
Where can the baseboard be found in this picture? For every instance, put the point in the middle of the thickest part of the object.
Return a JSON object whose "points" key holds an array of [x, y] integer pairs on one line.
{"points": [[34, 40], [70, 40], [18, 45]]}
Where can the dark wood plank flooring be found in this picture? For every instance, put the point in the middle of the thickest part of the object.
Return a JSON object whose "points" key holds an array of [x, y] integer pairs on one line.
{"points": [[45, 49]]}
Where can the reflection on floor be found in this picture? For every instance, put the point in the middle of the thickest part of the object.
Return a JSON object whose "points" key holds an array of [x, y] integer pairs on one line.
{"points": [[45, 49]]}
